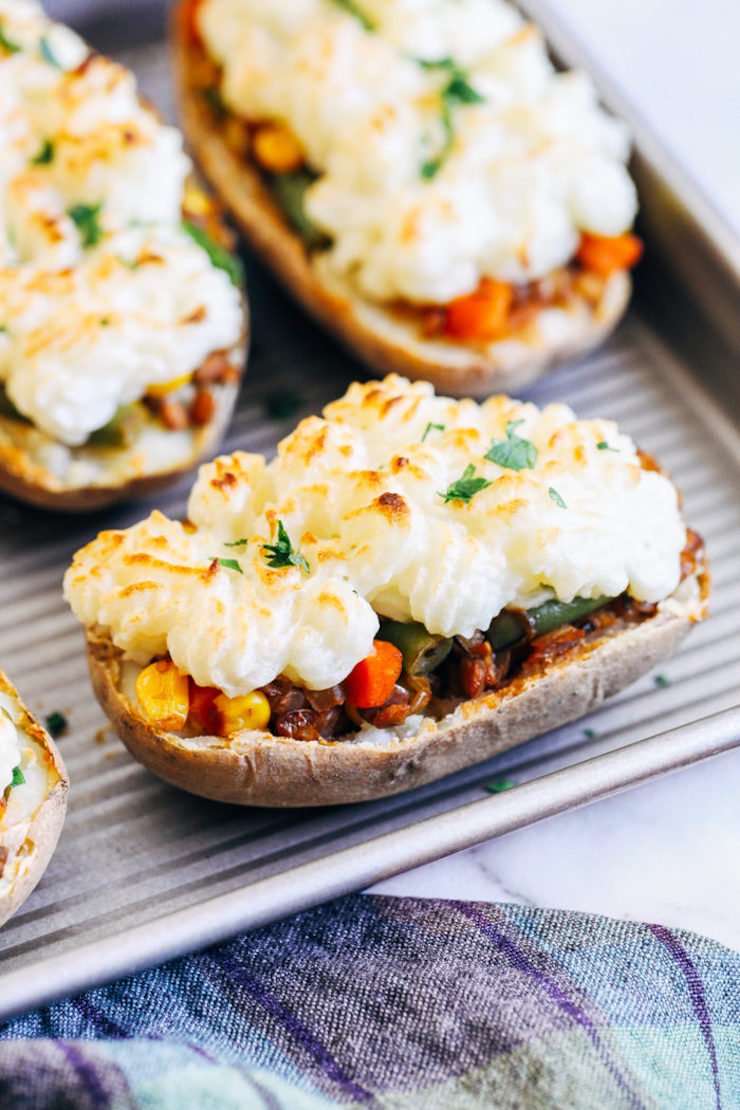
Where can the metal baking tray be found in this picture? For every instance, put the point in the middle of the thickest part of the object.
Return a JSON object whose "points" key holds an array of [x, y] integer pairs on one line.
{"points": [[144, 872]]}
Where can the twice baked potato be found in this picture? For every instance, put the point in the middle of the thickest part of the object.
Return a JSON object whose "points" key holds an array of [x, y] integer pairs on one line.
{"points": [[419, 177], [122, 325], [411, 586], [33, 802]]}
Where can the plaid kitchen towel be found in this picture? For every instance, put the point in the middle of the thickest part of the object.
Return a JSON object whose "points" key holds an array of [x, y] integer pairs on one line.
{"points": [[396, 1002]]}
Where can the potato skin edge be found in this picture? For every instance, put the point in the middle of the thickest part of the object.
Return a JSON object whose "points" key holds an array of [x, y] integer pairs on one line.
{"points": [[46, 825], [19, 481], [240, 187]]}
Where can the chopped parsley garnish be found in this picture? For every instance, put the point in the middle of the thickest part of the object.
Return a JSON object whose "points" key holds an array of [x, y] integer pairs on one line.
{"points": [[18, 777], [513, 453], [129, 263], [662, 681], [48, 54], [590, 733], [229, 564], [105, 321], [459, 90], [45, 155], [354, 9], [56, 724], [282, 405], [3, 329], [212, 96], [437, 63], [499, 786], [86, 218], [220, 258], [604, 446], [236, 543], [456, 92], [432, 428], [7, 44], [281, 554], [465, 488], [555, 496]]}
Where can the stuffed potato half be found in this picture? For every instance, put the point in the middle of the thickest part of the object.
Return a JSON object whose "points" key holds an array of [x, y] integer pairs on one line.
{"points": [[122, 326], [411, 586], [33, 803], [419, 177]]}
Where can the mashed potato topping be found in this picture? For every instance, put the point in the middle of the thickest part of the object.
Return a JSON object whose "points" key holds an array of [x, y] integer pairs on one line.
{"points": [[389, 506], [446, 145], [10, 746], [102, 292]]}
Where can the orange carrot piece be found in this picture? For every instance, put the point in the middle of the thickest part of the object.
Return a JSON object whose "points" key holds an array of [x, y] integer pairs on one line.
{"points": [[371, 683], [481, 316], [605, 256]]}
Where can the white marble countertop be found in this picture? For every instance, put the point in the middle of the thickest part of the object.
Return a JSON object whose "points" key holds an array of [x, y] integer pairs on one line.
{"points": [[667, 851]]}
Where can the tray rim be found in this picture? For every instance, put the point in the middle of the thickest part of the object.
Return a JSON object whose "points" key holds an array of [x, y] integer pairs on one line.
{"points": [[358, 866], [217, 918]]}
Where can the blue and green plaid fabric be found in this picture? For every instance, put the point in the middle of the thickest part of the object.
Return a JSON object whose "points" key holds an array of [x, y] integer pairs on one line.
{"points": [[399, 1003]]}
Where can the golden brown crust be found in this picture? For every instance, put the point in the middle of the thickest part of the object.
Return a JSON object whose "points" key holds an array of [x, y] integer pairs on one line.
{"points": [[369, 331], [32, 481], [44, 829], [257, 768]]}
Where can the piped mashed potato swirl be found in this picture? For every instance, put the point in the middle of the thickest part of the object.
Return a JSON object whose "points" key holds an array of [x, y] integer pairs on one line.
{"points": [[102, 292], [446, 145], [360, 493]]}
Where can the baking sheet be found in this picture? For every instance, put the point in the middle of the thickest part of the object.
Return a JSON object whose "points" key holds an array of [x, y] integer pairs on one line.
{"points": [[143, 871]]}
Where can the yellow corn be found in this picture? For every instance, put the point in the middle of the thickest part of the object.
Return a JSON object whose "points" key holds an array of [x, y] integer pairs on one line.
{"points": [[163, 694], [164, 388], [196, 202], [250, 711], [276, 149]]}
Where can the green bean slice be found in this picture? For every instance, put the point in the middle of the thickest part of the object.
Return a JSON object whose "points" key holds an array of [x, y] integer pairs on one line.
{"points": [[290, 191], [122, 429], [422, 651], [515, 626]]}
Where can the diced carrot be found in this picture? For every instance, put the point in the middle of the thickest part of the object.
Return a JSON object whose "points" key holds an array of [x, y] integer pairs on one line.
{"points": [[371, 682], [605, 256], [203, 713], [481, 316]]}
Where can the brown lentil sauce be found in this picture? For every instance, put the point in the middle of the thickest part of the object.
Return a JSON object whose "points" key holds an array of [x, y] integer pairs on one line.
{"points": [[471, 671]]}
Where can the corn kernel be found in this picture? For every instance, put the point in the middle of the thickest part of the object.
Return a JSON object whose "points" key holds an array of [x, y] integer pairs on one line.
{"points": [[164, 388], [196, 202], [164, 695], [249, 711], [276, 149]]}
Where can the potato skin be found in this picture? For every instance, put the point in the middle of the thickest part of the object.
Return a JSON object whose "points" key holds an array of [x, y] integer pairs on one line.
{"points": [[44, 829], [366, 330], [27, 482], [259, 769]]}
